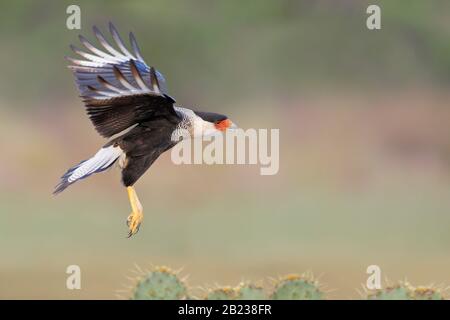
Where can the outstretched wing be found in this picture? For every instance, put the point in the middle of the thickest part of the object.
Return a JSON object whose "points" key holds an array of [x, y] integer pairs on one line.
{"points": [[118, 88]]}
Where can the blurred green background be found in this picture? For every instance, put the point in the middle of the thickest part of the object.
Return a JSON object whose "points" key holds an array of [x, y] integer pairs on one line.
{"points": [[364, 125]]}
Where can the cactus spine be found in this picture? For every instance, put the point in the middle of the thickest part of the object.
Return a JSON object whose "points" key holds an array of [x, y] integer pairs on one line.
{"points": [[248, 291], [405, 291], [160, 284], [295, 287]]}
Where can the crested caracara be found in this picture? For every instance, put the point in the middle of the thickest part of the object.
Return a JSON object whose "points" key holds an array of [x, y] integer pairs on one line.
{"points": [[127, 101]]}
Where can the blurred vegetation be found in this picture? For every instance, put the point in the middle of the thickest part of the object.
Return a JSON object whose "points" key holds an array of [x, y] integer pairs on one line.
{"points": [[235, 49]]}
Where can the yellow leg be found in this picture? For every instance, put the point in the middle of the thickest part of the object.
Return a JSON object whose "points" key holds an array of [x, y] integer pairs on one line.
{"points": [[135, 218]]}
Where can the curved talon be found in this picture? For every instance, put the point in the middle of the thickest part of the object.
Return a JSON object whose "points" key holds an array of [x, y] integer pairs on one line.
{"points": [[131, 233], [134, 220]]}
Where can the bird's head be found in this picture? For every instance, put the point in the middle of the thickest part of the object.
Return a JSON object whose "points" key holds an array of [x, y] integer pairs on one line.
{"points": [[214, 123]]}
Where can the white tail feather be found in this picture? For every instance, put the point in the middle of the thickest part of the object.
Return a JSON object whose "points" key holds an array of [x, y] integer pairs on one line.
{"points": [[101, 161]]}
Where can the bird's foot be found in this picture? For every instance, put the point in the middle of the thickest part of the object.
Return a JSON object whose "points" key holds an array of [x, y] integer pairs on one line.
{"points": [[134, 221]]}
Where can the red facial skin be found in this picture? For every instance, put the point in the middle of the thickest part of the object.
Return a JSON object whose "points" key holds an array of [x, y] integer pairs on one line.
{"points": [[223, 125]]}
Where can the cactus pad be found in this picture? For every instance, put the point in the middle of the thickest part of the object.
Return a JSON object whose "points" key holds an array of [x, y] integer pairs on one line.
{"points": [[159, 284], [295, 287], [225, 293], [250, 292], [405, 291]]}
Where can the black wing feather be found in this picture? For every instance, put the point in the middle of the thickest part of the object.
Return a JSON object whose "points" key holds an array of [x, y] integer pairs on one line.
{"points": [[111, 116], [118, 88]]}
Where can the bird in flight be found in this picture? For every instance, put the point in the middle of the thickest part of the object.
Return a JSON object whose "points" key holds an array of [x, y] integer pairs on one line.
{"points": [[128, 103]]}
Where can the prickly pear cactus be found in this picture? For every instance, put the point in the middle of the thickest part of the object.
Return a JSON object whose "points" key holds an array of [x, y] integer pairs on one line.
{"points": [[397, 292], [248, 291], [427, 293], [160, 284], [405, 291], [295, 287]]}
